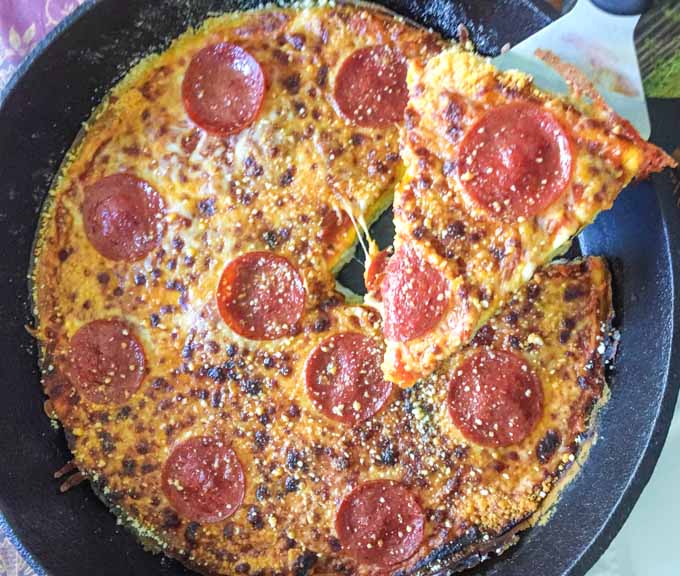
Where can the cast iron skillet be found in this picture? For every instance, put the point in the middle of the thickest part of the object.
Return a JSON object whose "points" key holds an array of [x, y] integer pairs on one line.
{"points": [[40, 114]]}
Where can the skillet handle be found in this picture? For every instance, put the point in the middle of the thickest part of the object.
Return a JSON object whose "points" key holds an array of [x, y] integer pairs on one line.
{"points": [[623, 7]]}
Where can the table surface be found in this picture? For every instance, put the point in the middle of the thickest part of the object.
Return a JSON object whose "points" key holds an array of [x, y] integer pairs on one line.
{"points": [[641, 548]]}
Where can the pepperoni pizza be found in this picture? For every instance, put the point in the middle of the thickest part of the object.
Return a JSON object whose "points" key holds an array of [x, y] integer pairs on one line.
{"points": [[499, 177], [220, 395]]}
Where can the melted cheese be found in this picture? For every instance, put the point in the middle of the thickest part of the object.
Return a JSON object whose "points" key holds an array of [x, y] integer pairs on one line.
{"points": [[221, 204]]}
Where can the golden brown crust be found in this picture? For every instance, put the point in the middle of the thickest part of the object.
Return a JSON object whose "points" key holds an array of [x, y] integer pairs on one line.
{"points": [[655, 159], [202, 379]]}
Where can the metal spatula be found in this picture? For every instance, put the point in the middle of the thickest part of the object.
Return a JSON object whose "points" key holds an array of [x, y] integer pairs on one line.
{"points": [[597, 37]]}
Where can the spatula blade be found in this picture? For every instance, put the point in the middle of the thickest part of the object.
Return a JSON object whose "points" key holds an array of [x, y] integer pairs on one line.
{"points": [[601, 45]]}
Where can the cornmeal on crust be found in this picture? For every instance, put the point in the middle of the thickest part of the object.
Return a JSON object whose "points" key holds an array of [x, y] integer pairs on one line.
{"points": [[499, 176], [222, 398]]}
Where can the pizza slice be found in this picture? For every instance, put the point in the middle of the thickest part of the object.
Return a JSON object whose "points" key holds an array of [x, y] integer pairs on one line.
{"points": [[499, 176]]}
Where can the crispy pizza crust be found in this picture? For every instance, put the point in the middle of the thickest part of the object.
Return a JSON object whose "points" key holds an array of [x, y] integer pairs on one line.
{"points": [[203, 379]]}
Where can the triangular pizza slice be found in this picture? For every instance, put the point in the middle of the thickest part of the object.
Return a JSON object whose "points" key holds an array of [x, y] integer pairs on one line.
{"points": [[499, 176]]}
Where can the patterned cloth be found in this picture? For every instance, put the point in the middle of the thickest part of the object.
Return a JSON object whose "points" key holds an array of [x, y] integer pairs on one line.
{"points": [[23, 23], [11, 562]]}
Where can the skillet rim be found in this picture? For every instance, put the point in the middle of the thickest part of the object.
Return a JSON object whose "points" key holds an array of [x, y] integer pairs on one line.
{"points": [[665, 412], [666, 405]]}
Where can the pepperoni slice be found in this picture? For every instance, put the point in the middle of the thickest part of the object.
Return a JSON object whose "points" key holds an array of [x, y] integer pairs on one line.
{"points": [[204, 480], [223, 89], [414, 295], [123, 217], [261, 296], [375, 272], [380, 523], [106, 361], [344, 378], [494, 398], [370, 87], [333, 224], [516, 161]]}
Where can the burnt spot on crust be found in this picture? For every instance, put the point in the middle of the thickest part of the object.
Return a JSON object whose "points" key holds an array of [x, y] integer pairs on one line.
{"points": [[270, 238], [251, 386], [574, 292], [454, 230], [568, 325], [485, 336], [533, 291], [295, 459], [255, 518], [206, 207], [321, 324], [129, 467], [389, 455], [140, 279], [152, 88], [287, 176], [297, 40], [322, 76], [292, 83], [262, 492], [190, 141], [170, 520], [304, 563], [511, 318], [229, 530], [106, 441], [293, 411], [261, 439], [454, 116], [63, 254], [546, 447], [291, 484], [252, 168], [191, 533]]}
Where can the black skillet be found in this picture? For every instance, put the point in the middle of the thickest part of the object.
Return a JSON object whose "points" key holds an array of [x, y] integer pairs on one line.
{"points": [[41, 112]]}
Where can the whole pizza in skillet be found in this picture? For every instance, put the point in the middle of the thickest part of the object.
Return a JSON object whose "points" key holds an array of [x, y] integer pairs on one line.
{"points": [[234, 408]]}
